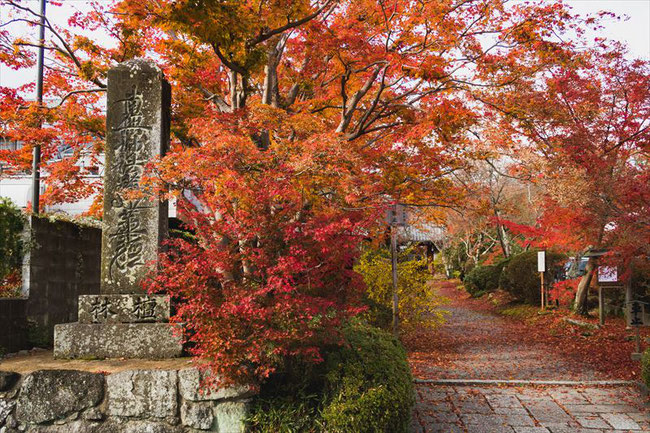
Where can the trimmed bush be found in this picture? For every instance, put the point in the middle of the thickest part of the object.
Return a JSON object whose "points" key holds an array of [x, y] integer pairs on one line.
{"points": [[521, 279], [483, 279], [369, 384], [363, 386], [645, 367]]}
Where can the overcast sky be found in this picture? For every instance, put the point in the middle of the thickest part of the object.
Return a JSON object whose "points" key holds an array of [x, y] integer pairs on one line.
{"points": [[634, 30]]}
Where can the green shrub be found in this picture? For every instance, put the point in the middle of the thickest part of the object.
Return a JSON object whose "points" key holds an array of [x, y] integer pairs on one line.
{"points": [[483, 279], [520, 277], [11, 226], [363, 386], [369, 384], [645, 367]]}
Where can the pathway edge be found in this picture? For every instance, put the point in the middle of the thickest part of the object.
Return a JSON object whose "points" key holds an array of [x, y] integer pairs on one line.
{"points": [[473, 382]]}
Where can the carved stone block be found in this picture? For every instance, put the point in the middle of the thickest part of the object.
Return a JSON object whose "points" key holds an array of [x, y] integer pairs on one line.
{"points": [[117, 340], [137, 131], [123, 308]]}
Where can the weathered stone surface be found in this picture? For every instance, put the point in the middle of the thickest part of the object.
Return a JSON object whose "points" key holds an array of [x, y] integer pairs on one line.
{"points": [[142, 393], [11, 422], [191, 379], [197, 414], [73, 427], [6, 406], [230, 416], [108, 427], [123, 308], [117, 340], [7, 380], [47, 395], [93, 414], [137, 130], [146, 427]]}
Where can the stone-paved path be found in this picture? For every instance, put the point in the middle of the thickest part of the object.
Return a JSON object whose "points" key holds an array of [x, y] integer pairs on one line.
{"points": [[487, 409], [479, 345]]}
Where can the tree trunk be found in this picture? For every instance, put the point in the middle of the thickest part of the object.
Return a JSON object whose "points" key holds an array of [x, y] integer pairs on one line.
{"points": [[583, 288], [502, 235]]}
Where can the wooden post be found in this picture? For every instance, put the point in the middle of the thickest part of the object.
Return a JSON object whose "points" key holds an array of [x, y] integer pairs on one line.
{"points": [[541, 268], [393, 253], [628, 299], [601, 306], [541, 277]]}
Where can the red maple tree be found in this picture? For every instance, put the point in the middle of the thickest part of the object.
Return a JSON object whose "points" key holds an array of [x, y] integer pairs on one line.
{"points": [[294, 124]]}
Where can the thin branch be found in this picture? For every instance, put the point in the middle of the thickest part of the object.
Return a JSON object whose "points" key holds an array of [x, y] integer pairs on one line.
{"points": [[76, 92], [290, 25]]}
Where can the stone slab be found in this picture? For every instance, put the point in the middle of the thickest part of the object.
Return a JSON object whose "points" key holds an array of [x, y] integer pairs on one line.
{"points": [[142, 393], [47, 395], [198, 415], [123, 308], [137, 132], [230, 416], [117, 340], [191, 384], [546, 411]]}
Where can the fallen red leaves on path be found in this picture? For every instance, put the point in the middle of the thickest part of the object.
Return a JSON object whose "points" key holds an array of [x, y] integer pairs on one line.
{"points": [[479, 341]]}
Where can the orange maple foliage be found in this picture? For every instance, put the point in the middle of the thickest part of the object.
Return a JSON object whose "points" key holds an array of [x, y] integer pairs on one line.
{"points": [[295, 124]]}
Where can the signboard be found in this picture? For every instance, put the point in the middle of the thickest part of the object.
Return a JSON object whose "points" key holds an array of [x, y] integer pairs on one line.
{"points": [[636, 314], [607, 274], [396, 215], [541, 261]]}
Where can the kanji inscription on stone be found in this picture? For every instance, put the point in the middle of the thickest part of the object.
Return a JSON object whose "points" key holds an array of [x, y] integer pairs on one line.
{"points": [[636, 316], [123, 308], [137, 132]]}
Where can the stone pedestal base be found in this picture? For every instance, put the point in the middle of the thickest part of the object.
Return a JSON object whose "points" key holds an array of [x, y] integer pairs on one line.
{"points": [[117, 340]]}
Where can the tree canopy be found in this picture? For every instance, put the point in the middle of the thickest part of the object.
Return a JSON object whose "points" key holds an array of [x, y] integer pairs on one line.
{"points": [[295, 123]]}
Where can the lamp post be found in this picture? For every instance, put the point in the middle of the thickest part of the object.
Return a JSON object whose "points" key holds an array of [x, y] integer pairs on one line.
{"points": [[36, 155]]}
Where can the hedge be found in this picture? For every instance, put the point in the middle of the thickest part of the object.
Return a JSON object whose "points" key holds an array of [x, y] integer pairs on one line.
{"points": [[520, 277], [483, 279], [364, 386]]}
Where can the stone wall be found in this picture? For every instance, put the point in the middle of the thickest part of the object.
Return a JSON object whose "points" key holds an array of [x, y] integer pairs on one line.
{"points": [[63, 262], [134, 401], [13, 328]]}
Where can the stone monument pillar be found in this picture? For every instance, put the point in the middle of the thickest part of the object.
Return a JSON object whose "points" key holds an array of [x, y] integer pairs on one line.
{"points": [[137, 130], [123, 321]]}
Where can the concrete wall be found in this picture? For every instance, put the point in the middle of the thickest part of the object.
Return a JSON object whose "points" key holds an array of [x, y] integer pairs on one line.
{"points": [[62, 261], [13, 327]]}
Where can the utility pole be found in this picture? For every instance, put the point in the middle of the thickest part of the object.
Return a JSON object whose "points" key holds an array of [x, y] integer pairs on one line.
{"points": [[36, 157]]}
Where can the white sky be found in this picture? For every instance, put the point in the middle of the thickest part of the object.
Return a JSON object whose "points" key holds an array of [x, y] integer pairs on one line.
{"points": [[634, 29]]}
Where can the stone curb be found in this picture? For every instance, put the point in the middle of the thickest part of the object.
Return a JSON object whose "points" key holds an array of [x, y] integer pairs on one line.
{"points": [[476, 382]]}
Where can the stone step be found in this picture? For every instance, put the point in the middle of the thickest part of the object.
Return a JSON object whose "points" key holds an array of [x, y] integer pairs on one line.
{"points": [[123, 308], [117, 340]]}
